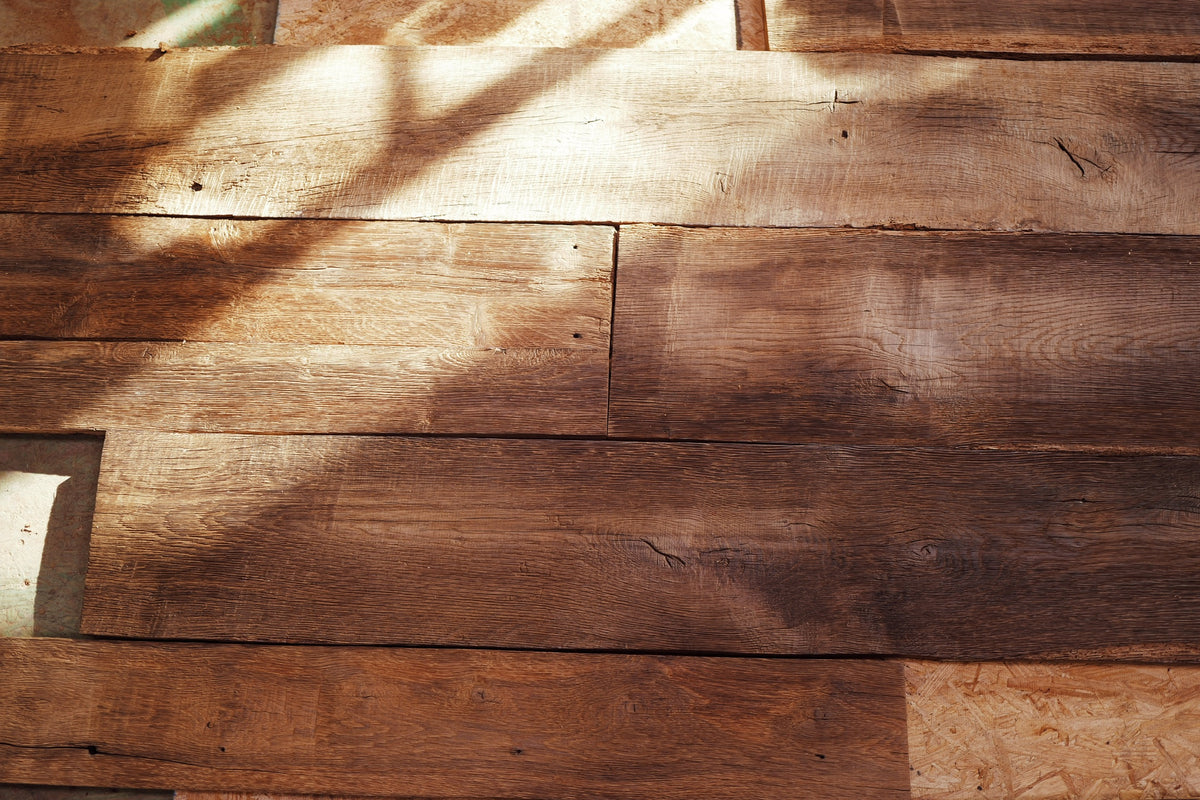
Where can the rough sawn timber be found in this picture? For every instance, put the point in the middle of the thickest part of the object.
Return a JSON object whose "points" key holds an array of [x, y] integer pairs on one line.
{"points": [[992, 340], [302, 325], [643, 546], [444, 723], [1149, 29], [512, 134]]}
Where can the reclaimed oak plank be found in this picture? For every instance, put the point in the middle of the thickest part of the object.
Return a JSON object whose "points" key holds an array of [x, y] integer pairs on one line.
{"points": [[987, 340], [444, 723], [512, 134], [1152, 30], [654, 24], [643, 546]]}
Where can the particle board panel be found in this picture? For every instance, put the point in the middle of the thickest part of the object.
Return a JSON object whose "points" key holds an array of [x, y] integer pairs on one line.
{"points": [[1156, 29], [1003, 730], [987, 340], [684, 547], [654, 24], [513, 134], [449, 723], [314, 326]]}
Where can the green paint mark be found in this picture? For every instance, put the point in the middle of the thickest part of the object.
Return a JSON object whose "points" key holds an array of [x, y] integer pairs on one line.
{"points": [[227, 23]]}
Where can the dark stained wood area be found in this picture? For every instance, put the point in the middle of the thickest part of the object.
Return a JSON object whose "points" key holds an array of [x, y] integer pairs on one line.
{"points": [[449, 723], [303, 326], [659, 546], [508, 134], [996, 340]]}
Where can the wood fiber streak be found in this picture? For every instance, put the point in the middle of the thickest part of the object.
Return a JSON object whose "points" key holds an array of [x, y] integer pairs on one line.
{"points": [[995, 340], [506, 134], [1154, 29], [448, 724], [998, 731], [305, 282], [50, 387], [643, 546]]}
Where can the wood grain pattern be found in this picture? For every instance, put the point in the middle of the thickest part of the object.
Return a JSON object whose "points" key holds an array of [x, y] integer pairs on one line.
{"points": [[654, 24], [305, 282], [997, 731], [643, 546], [283, 388], [1155, 29], [995, 340], [312, 326], [510, 134], [448, 723]]}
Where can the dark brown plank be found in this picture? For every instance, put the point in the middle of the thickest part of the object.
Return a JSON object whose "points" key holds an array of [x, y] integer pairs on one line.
{"points": [[514, 134], [1152, 29], [643, 546], [994, 340], [312, 326], [449, 723]]}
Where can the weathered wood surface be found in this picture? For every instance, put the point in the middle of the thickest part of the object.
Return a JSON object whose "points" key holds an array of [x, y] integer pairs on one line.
{"points": [[305, 282], [643, 546], [1155, 29], [751, 24], [654, 24], [136, 23], [448, 723], [512, 134], [997, 340], [313, 326], [999, 731]]}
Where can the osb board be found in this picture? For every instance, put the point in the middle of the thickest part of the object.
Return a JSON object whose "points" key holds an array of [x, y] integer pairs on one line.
{"points": [[508, 134], [137, 23], [1153, 29], [1024, 731], [652, 24]]}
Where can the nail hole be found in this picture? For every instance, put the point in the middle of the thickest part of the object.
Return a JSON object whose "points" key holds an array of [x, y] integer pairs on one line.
{"points": [[845, 134], [197, 187], [576, 335], [93, 750]]}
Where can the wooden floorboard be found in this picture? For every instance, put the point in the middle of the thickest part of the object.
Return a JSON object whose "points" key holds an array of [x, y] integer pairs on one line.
{"points": [[303, 326], [993, 340], [511, 134], [1150, 30], [448, 723], [631, 546], [998, 731], [657, 24]]}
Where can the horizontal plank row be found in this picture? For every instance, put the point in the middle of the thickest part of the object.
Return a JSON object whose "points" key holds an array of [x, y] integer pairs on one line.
{"points": [[1156, 29], [645, 546], [996, 340], [512, 134], [448, 723], [656, 24], [286, 326]]}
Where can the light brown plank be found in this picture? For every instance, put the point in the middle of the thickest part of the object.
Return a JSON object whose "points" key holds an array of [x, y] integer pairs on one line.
{"points": [[448, 723], [994, 340], [1156, 29], [136, 23], [1037, 730], [642, 546], [284, 388], [305, 282], [312, 326], [583, 135], [751, 24], [653, 24]]}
